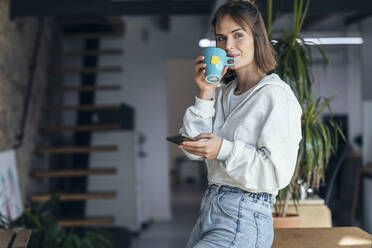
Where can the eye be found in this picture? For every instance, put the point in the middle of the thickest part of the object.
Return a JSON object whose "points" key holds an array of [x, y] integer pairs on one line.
{"points": [[238, 35], [220, 38]]}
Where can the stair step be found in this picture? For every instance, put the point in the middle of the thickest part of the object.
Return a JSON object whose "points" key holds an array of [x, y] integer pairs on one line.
{"points": [[91, 52], [89, 70], [90, 221], [79, 20], [86, 88], [75, 196], [83, 107], [74, 173], [68, 150], [92, 35], [82, 128]]}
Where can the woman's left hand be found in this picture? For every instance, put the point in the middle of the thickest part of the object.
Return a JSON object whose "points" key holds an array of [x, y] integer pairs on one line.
{"points": [[208, 148]]}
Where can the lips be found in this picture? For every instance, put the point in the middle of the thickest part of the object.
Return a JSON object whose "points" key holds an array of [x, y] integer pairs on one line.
{"points": [[233, 55]]}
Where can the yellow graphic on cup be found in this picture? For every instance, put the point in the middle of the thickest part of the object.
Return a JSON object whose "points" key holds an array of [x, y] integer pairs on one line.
{"points": [[215, 60]]}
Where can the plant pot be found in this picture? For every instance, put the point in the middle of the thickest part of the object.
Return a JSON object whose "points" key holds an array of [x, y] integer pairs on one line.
{"points": [[290, 221]]}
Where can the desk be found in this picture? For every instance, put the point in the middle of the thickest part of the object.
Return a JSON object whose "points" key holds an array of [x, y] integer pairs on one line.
{"points": [[313, 213], [322, 238]]}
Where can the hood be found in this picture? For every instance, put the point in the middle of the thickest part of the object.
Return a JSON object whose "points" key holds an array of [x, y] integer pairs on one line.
{"points": [[273, 79]]}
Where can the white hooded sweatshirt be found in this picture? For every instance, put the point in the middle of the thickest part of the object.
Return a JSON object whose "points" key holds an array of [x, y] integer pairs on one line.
{"points": [[261, 135]]}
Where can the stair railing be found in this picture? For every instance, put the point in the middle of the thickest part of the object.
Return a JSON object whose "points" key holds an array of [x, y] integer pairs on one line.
{"points": [[31, 77]]}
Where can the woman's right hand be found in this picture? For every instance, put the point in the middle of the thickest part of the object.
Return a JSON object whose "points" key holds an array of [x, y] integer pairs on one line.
{"points": [[206, 89]]}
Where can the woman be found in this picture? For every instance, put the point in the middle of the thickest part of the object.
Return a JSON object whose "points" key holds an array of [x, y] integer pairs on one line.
{"points": [[249, 131]]}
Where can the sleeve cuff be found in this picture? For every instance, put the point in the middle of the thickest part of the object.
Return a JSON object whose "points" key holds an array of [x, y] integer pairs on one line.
{"points": [[203, 105], [225, 150]]}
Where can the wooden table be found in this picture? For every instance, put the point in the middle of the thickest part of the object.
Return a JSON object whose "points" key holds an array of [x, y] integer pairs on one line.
{"points": [[20, 238], [322, 238], [313, 212]]}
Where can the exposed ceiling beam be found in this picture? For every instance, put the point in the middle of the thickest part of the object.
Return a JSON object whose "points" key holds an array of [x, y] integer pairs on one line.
{"points": [[356, 18], [93, 8], [321, 7]]}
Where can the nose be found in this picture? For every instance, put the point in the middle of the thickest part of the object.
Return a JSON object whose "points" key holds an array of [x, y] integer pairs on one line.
{"points": [[229, 44]]}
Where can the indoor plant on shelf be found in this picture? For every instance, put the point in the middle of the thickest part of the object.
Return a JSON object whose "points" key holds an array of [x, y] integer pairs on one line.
{"points": [[319, 140]]}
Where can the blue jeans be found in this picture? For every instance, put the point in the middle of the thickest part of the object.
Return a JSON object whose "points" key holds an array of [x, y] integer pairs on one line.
{"points": [[231, 217]]}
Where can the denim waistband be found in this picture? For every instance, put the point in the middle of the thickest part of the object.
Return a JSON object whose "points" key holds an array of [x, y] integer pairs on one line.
{"points": [[263, 196]]}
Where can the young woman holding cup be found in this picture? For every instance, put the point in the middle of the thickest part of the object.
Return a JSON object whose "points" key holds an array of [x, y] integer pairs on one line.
{"points": [[249, 132]]}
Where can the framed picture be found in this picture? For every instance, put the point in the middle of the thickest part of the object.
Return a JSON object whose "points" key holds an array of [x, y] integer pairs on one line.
{"points": [[10, 196]]}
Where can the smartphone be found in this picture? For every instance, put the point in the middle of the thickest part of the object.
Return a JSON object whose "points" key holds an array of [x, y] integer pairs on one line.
{"points": [[178, 138]]}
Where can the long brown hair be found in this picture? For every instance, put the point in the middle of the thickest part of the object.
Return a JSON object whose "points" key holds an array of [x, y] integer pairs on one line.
{"points": [[246, 13]]}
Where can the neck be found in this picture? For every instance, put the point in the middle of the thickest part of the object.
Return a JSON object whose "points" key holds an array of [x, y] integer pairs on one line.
{"points": [[248, 77]]}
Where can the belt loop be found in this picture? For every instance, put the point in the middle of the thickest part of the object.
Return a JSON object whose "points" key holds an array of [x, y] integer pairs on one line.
{"points": [[219, 189]]}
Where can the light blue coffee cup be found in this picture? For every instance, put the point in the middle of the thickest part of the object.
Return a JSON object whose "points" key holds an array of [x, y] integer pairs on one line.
{"points": [[216, 60]]}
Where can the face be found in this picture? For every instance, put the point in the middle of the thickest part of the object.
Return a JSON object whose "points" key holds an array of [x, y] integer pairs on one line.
{"points": [[236, 41]]}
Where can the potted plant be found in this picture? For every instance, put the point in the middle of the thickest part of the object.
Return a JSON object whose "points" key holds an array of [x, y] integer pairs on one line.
{"points": [[46, 232], [319, 141]]}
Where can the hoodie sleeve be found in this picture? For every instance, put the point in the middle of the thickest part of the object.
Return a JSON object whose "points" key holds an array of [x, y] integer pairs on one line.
{"points": [[270, 164], [197, 120]]}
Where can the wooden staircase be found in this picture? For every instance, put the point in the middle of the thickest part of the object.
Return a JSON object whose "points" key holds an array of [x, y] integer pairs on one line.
{"points": [[85, 88], [91, 52], [82, 128], [83, 107], [71, 150], [75, 196], [91, 221], [73, 173], [88, 70], [91, 35], [76, 174]]}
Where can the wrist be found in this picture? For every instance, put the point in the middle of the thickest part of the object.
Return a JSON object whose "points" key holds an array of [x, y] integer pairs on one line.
{"points": [[206, 95]]}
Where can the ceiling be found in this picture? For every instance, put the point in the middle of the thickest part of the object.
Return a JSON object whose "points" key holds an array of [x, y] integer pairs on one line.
{"points": [[323, 15]]}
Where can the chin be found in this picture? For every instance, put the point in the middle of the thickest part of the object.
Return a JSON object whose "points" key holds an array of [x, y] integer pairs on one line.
{"points": [[234, 66]]}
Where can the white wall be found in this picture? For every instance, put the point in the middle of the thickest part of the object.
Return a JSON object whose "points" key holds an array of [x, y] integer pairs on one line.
{"points": [[144, 86], [125, 207], [332, 82], [181, 92]]}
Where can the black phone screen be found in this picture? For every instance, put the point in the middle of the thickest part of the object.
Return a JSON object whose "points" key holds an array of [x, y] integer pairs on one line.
{"points": [[177, 139]]}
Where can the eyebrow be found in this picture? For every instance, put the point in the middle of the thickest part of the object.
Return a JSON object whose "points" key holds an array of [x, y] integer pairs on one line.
{"points": [[237, 29]]}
